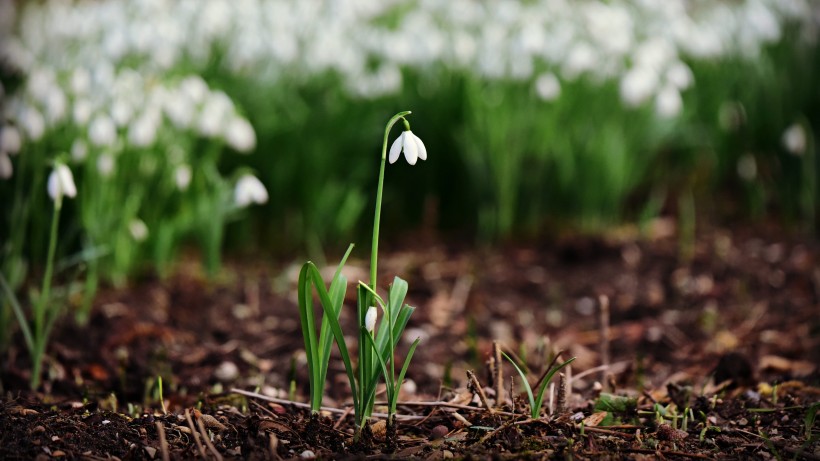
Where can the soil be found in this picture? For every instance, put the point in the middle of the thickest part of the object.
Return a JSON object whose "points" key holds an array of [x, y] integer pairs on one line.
{"points": [[713, 356]]}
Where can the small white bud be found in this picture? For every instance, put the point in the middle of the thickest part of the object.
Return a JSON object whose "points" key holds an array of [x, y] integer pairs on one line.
{"points": [[249, 189], [370, 319], [138, 230]]}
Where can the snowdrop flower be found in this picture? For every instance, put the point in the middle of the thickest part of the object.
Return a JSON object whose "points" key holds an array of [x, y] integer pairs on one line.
{"points": [[82, 111], [747, 167], [6, 168], [638, 85], [668, 102], [102, 131], [680, 75], [370, 319], [143, 131], [61, 183], [105, 165], [138, 230], [182, 177], [33, 123], [411, 145], [547, 86], [10, 140], [79, 150], [794, 139], [249, 189], [239, 135]]}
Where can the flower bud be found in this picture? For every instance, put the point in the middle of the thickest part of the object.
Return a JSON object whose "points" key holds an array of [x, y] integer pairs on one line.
{"points": [[370, 319]]}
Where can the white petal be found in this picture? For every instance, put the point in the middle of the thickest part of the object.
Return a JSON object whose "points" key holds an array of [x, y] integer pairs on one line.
{"points": [[370, 319], [395, 149], [6, 168], [411, 152], [422, 149], [53, 185], [66, 181]]}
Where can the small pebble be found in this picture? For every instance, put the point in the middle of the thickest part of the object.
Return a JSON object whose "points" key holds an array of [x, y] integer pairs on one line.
{"points": [[447, 454], [439, 432], [308, 454], [152, 452], [226, 371]]}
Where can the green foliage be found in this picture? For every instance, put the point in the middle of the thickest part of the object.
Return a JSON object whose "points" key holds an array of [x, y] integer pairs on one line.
{"points": [[537, 400]]}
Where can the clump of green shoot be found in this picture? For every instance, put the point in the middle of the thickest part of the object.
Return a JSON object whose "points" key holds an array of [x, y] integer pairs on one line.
{"points": [[536, 400], [376, 346]]}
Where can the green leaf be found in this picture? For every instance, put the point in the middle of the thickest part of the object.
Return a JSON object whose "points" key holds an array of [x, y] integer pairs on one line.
{"points": [[338, 288], [533, 409], [540, 398], [309, 334], [402, 373]]}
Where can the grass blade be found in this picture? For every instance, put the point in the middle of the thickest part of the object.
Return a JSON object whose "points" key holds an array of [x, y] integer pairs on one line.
{"points": [[534, 411]]}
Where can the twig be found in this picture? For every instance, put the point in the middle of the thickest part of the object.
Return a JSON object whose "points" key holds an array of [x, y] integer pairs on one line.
{"points": [[195, 434], [603, 326], [496, 431], [561, 401], [210, 445], [163, 444], [499, 375], [273, 444], [661, 453], [476, 388], [608, 432], [461, 419], [337, 411], [613, 368]]}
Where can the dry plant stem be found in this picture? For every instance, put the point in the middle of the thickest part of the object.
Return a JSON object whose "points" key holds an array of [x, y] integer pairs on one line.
{"points": [[163, 444], [603, 326], [512, 394], [561, 401], [207, 439], [195, 434], [476, 388], [273, 445], [499, 375]]}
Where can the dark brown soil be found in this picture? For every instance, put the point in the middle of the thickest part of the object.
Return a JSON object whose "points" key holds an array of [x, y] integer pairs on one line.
{"points": [[716, 357]]}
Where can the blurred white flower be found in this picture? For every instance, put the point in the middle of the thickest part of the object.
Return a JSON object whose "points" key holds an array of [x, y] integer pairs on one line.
{"points": [[61, 183], [138, 230], [143, 132], [55, 105], [32, 123], [249, 189], [638, 85], [102, 131], [105, 164], [195, 88], [794, 139], [547, 86], [215, 112], [79, 150], [239, 135], [6, 168], [10, 140], [80, 81], [121, 112], [182, 177], [747, 167], [370, 319], [81, 111], [581, 58], [412, 146], [668, 102], [680, 75]]}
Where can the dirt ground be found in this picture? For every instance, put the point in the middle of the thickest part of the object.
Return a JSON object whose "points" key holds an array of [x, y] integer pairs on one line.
{"points": [[714, 357]]}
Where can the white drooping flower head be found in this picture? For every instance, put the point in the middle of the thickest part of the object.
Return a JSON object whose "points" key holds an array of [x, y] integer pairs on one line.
{"points": [[138, 230], [411, 145], [370, 319], [239, 135], [249, 189], [794, 139], [61, 183], [10, 139], [6, 168]]}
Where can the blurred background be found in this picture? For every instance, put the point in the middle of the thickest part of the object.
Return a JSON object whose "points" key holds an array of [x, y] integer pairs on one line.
{"points": [[540, 117]]}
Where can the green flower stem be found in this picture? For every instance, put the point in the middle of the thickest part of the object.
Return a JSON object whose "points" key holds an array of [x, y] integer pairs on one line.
{"points": [[374, 253], [43, 301]]}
